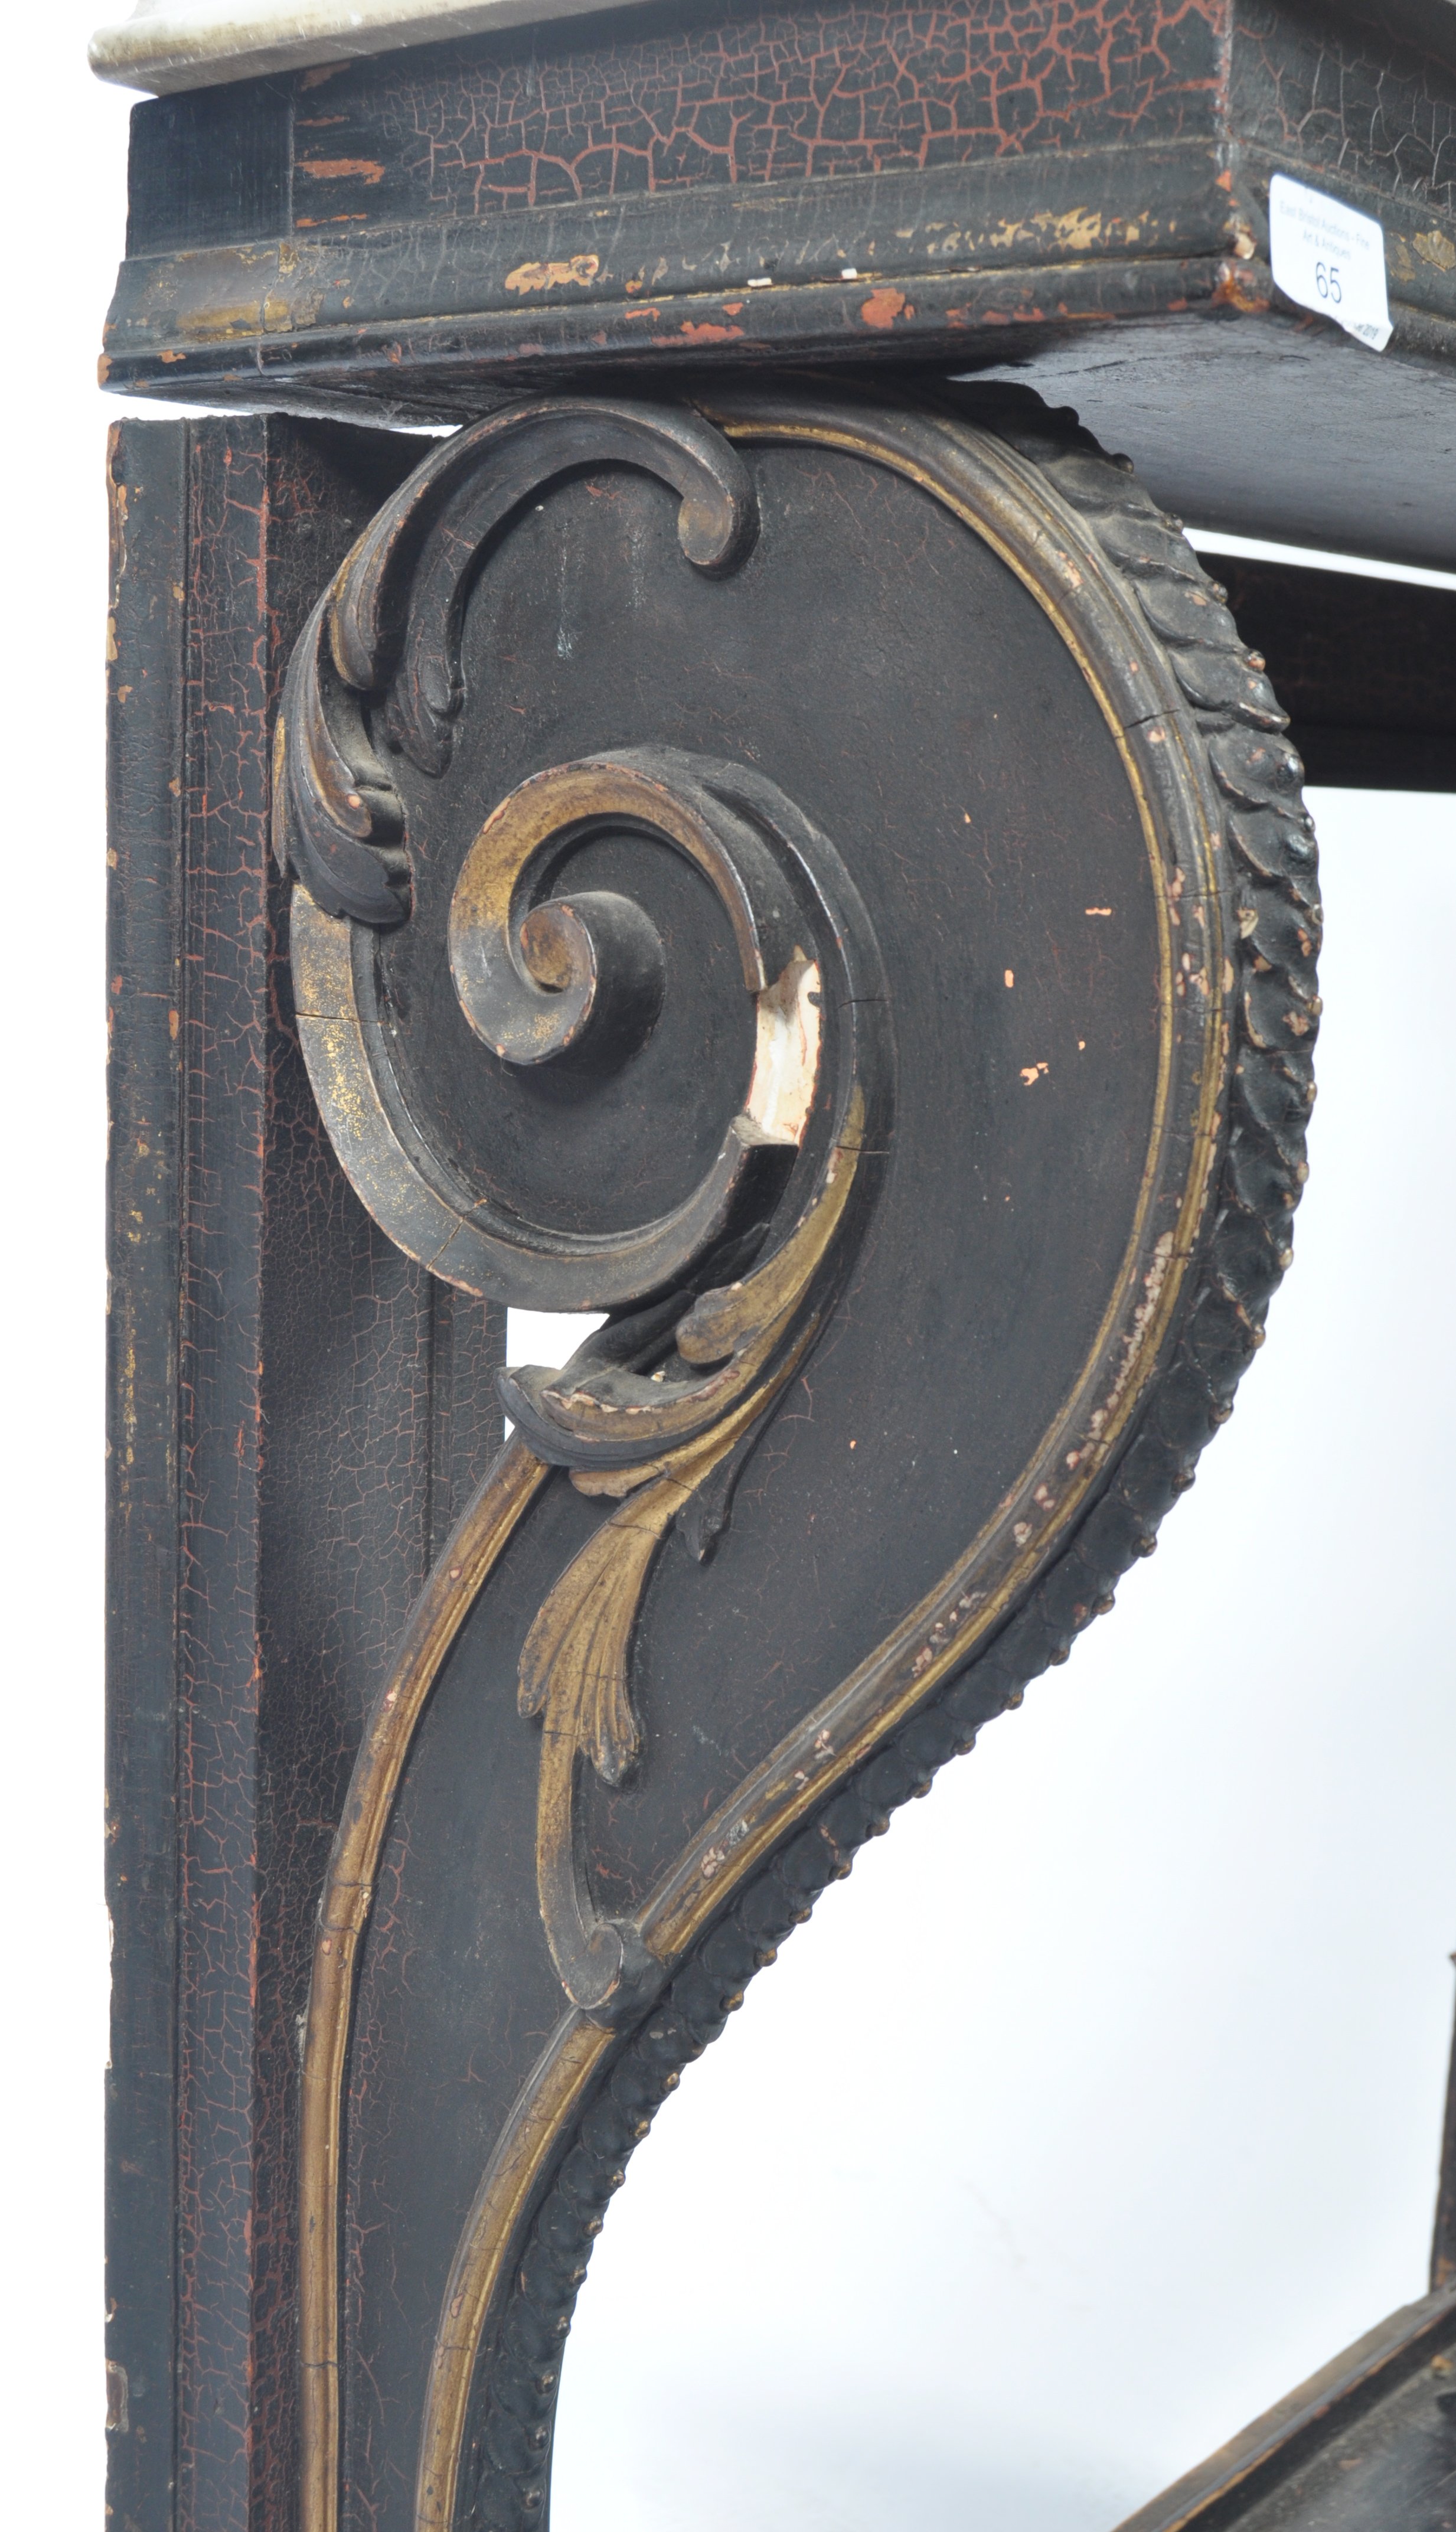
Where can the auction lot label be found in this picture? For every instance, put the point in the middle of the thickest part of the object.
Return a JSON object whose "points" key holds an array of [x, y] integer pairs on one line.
{"points": [[1330, 258]]}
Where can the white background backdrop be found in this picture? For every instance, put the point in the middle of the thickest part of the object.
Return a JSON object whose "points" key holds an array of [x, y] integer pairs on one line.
{"points": [[1103, 2101]]}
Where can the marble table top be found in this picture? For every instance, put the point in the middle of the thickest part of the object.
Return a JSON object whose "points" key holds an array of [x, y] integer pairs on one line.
{"points": [[169, 44]]}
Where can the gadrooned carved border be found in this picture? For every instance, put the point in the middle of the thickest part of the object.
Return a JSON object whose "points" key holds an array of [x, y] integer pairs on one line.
{"points": [[597, 2097]]}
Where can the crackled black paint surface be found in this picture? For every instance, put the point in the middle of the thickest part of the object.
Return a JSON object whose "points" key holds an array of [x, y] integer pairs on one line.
{"points": [[668, 101], [1330, 90], [425, 232], [295, 1414]]}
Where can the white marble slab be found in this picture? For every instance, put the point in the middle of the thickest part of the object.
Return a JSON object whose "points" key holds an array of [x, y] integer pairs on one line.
{"points": [[170, 45]]}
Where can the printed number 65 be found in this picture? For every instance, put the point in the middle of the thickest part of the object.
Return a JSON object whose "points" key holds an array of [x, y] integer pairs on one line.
{"points": [[1328, 282]]}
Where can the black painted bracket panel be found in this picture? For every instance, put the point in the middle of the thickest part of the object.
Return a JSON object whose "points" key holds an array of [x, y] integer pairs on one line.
{"points": [[1364, 668], [1367, 2444]]}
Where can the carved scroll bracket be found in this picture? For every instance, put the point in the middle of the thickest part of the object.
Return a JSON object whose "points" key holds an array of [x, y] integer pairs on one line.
{"points": [[538, 908]]}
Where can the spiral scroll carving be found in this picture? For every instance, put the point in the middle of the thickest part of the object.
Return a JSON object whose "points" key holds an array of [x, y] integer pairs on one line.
{"points": [[575, 979]]}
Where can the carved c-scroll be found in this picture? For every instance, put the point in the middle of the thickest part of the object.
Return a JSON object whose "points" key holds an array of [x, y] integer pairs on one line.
{"points": [[713, 1312]]}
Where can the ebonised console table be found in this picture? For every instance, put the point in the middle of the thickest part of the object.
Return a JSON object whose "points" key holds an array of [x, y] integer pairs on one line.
{"points": [[665, 762]]}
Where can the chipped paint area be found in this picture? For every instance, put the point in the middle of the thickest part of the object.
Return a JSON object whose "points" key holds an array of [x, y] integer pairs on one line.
{"points": [[819, 1757], [774, 98], [367, 171], [283, 316], [580, 268], [786, 1055], [943, 1629], [1142, 1318], [883, 307], [1241, 288], [1075, 231]]}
